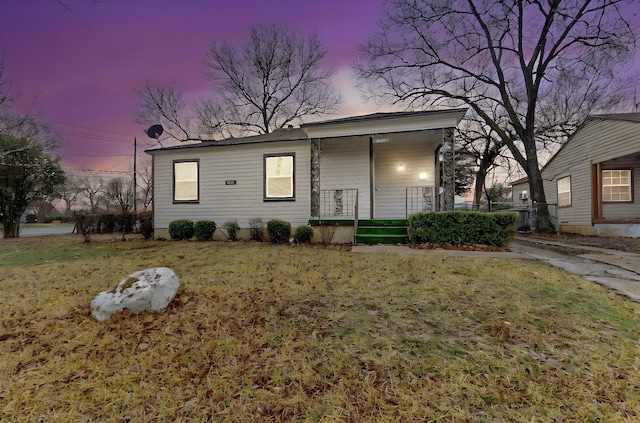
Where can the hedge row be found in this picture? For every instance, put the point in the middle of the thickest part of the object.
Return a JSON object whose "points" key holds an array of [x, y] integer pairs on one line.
{"points": [[462, 228], [279, 230]]}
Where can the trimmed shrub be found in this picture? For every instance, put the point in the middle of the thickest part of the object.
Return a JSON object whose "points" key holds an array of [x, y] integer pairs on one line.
{"points": [[462, 228], [181, 229], [204, 229], [146, 224], [85, 223], [256, 229], [303, 234], [232, 229], [279, 230]]}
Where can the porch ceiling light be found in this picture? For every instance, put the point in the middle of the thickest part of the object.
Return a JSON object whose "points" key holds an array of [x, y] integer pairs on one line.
{"points": [[401, 168], [423, 175]]}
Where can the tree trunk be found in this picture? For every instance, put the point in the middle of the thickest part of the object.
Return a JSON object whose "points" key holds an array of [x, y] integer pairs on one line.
{"points": [[481, 178], [11, 228], [536, 187]]}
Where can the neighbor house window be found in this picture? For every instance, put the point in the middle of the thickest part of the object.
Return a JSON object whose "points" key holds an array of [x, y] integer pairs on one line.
{"points": [[185, 181], [564, 191], [616, 185], [279, 176]]}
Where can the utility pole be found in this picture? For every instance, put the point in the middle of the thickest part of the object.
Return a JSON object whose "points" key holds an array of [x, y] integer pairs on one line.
{"points": [[135, 183]]}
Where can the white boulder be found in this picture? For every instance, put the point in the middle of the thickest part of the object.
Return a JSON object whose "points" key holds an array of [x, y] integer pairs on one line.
{"points": [[149, 289]]}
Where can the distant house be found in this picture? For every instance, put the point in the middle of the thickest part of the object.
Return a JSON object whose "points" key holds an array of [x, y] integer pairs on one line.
{"points": [[592, 178], [373, 167]]}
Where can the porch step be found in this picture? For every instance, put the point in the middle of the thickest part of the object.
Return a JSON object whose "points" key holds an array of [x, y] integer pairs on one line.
{"points": [[382, 232]]}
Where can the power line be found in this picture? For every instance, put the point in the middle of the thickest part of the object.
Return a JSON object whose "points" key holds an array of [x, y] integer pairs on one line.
{"points": [[97, 170], [91, 129], [92, 136]]}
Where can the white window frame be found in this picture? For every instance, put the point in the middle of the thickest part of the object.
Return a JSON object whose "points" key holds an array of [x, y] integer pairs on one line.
{"points": [[186, 181], [276, 175], [564, 191], [614, 189]]}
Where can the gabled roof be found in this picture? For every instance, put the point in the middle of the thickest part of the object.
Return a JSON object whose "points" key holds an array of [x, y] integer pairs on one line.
{"points": [[632, 117], [628, 117], [355, 125], [282, 134], [382, 116]]}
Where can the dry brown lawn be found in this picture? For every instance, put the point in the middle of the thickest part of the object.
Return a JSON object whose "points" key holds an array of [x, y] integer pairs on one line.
{"points": [[306, 334]]}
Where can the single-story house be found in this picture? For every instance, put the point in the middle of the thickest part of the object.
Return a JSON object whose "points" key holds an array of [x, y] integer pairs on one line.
{"points": [[381, 166], [592, 178]]}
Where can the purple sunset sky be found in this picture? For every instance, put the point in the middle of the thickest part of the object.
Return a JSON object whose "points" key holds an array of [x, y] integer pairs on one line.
{"points": [[79, 68]]}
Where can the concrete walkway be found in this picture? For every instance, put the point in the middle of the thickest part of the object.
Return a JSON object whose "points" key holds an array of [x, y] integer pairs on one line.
{"points": [[614, 269]]}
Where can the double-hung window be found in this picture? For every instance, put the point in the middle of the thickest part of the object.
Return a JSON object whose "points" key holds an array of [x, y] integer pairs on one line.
{"points": [[279, 176], [564, 191], [616, 185], [186, 175]]}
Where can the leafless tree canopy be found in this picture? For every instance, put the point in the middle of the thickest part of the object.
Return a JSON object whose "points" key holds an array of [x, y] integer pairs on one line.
{"points": [[275, 79], [29, 126], [541, 65], [165, 104]]}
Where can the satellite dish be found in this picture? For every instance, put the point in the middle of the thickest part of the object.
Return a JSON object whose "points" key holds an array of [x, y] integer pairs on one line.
{"points": [[155, 131]]}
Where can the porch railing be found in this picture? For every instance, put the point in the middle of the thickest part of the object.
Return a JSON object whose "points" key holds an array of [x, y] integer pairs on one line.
{"points": [[419, 199], [338, 203]]}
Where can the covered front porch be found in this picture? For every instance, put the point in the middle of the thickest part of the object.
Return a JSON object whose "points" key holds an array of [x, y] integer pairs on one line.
{"points": [[382, 167]]}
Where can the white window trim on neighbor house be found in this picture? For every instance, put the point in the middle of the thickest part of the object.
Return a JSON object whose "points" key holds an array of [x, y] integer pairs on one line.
{"points": [[186, 181], [564, 191], [617, 185], [279, 177]]}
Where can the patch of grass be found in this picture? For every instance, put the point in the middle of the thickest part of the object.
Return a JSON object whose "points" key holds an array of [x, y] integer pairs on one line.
{"points": [[37, 250], [280, 333]]}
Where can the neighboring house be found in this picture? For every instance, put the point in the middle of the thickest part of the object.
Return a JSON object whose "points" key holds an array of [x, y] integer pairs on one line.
{"points": [[592, 178], [378, 166], [520, 193]]}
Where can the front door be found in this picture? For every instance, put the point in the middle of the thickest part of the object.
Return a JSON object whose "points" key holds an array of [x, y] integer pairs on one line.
{"points": [[401, 162]]}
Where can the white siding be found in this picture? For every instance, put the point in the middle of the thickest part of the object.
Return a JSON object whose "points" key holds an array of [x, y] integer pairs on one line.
{"points": [[416, 152], [516, 191], [344, 164], [243, 201], [595, 142]]}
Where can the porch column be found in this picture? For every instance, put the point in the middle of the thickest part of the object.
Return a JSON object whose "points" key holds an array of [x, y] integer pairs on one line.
{"points": [[448, 171], [315, 178]]}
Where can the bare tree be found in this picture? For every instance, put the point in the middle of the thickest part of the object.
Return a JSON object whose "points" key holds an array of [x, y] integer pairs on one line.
{"points": [[70, 192], [42, 208], [91, 188], [119, 194], [534, 62], [165, 104], [145, 184], [29, 126], [275, 79]]}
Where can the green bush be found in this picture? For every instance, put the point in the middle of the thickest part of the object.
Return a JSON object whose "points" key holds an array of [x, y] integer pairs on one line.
{"points": [[232, 228], [146, 224], [181, 229], [256, 229], [279, 230], [116, 222], [462, 228], [303, 234], [204, 229]]}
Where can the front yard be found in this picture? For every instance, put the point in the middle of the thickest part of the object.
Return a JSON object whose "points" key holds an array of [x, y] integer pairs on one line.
{"points": [[280, 333]]}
